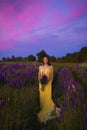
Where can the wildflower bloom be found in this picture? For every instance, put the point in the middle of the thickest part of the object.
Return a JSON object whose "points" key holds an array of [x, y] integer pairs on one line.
{"points": [[44, 80]]}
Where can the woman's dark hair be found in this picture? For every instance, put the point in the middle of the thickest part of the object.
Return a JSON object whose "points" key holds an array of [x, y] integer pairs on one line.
{"points": [[48, 59]]}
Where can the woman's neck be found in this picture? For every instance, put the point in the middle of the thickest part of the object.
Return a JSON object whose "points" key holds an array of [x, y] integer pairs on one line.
{"points": [[45, 64]]}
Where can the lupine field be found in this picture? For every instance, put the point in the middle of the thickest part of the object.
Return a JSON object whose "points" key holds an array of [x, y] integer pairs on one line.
{"points": [[19, 96]]}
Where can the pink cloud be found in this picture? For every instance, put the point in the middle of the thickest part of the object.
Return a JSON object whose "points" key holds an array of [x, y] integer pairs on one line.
{"points": [[28, 19], [4, 45], [72, 2], [59, 19], [77, 12], [15, 23], [22, 16]]}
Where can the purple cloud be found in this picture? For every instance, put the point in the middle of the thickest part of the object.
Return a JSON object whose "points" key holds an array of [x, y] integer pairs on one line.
{"points": [[39, 21]]}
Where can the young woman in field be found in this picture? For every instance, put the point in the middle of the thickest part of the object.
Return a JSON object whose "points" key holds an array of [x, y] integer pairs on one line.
{"points": [[48, 109]]}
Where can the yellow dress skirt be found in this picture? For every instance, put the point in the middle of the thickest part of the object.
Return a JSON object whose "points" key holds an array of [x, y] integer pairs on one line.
{"points": [[48, 109]]}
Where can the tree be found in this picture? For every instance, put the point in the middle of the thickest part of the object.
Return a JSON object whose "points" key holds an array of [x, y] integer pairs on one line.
{"points": [[13, 58], [8, 59], [53, 58], [3, 58], [68, 57], [82, 55], [31, 58], [79, 57], [19, 58], [40, 55]]}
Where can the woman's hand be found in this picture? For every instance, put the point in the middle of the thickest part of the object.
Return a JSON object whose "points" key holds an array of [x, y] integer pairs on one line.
{"points": [[39, 74], [51, 74], [49, 78], [39, 78]]}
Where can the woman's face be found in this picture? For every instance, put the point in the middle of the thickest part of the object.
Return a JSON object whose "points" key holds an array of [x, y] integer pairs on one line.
{"points": [[45, 60]]}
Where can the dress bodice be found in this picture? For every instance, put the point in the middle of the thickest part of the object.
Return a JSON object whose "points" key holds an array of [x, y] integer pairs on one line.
{"points": [[45, 71]]}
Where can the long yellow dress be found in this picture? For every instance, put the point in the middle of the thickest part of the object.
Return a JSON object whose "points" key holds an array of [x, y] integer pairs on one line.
{"points": [[48, 109]]}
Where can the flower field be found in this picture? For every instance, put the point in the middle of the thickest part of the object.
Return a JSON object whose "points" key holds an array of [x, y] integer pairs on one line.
{"points": [[19, 97]]}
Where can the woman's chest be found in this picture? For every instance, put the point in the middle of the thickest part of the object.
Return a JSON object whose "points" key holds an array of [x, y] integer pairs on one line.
{"points": [[45, 71]]}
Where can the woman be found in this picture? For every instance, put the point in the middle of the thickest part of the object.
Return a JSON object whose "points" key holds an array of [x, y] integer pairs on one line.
{"points": [[48, 109]]}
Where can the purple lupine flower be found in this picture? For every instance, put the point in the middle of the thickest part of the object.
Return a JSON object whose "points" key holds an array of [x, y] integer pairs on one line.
{"points": [[44, 80], [76, 84], [72, 89]]}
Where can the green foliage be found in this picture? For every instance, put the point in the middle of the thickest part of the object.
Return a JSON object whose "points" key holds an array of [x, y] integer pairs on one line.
{"points": [[77, 57], [31, 58], [40, 55], [53, 58]]}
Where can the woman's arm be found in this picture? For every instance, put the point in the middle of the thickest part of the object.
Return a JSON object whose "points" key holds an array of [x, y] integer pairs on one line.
{"points": [[51, 73], [39, 74]]}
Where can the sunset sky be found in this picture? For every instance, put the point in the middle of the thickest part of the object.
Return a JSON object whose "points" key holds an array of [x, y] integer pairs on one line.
{"points": [[28, 26]]}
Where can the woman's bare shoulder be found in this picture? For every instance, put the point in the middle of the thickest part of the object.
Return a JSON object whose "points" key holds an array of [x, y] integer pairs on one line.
{"points": [[40, 66], [51, 66]]}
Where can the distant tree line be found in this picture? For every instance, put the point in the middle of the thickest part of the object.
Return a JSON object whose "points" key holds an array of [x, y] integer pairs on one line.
{"points": [[80, 56]]}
